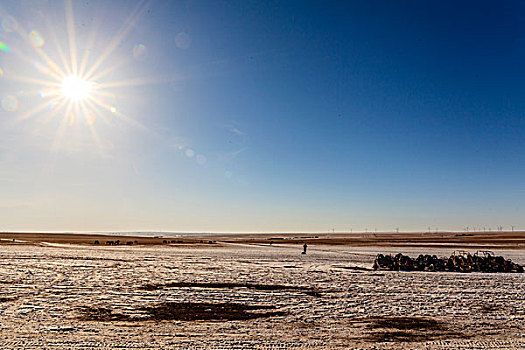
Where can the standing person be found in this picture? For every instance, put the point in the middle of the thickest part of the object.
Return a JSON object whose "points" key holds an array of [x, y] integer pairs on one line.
{"points": [[304, 248]]}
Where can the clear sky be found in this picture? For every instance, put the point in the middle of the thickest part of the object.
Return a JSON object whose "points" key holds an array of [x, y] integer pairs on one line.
{"points": [[258, 116]]}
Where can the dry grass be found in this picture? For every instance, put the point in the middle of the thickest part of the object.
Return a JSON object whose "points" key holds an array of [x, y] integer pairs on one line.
{"points": [[471, 240]]}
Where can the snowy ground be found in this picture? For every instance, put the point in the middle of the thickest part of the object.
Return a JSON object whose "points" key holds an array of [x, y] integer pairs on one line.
{"points": [[45, 290]]}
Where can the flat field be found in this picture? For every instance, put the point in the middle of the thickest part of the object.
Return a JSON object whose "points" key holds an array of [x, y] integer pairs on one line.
{"points": [[252, 292]]}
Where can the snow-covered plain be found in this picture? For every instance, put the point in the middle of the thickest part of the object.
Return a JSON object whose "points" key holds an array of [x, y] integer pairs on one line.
{"points": [[45, 290]]}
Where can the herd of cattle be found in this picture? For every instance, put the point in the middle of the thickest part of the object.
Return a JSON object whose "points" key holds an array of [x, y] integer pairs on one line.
{"points": [[462, 261]]}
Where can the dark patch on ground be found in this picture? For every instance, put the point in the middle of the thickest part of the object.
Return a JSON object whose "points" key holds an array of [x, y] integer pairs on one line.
{"points": [[209, 311], [406, 323], [313, 293], [397, 336], [489, 308], [102, 314], [355, 268], [6, 299], [231, 285], [184, 312], [405, 329]]}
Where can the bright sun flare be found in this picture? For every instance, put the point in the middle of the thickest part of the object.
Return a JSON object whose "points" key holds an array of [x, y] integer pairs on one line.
{"points": [[75, 88]]}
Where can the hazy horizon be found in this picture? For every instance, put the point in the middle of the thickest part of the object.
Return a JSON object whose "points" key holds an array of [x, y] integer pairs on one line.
{"points": [[275, 116]]}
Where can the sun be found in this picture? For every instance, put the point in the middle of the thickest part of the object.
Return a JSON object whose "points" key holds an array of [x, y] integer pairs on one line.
{"points": [[75, 88]]}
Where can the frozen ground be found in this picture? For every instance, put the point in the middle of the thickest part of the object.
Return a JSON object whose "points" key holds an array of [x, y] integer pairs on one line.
{"points": [[45, 291]]}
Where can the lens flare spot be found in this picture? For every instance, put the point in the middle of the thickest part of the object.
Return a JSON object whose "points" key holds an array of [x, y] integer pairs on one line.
{"points": [[9, 24], [75, 88], [47, 92], [183, 41], [72, 120], [53, 104], [36, 39], [201, 159], [4, 47], [10, 103], [1, 72], [139, 51], [113, 109], [189, 153]]}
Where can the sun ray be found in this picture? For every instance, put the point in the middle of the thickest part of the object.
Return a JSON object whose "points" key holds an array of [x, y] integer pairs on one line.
{"points": [[23, 34], [56, 105], [28, 60], [101, 93], [135, 82], [128, 25], [70, 21], [121, 116], [38, 50], [96, 110], [110, 69], [89, 47], [33, 111], [26, 79], [58, 47], [52, 64]]}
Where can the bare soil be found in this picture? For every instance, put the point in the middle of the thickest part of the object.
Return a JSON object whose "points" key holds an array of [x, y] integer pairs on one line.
{"points": [[250, 295]]}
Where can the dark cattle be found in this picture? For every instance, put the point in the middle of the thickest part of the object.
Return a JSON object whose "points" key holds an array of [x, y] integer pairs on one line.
{"points": [[96, 242]]}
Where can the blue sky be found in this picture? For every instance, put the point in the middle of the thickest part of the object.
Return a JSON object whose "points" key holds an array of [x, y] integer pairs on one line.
{"points": [[244, 116]]}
